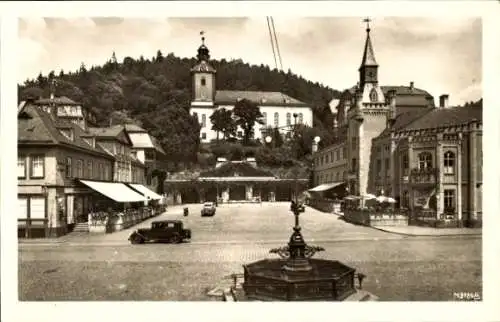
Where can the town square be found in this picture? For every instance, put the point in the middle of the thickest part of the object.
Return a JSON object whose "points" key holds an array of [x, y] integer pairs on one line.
{"points": [[188, 173]]}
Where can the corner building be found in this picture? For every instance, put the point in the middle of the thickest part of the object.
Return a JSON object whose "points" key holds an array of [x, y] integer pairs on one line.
{"points": [[396, 142]]}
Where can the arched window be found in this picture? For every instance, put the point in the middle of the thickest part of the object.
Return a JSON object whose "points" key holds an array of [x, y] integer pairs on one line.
{"points": [[288, 119], [203, 81], [449, 162], [301, 118], [425, 160], [373, 95], [276, 119]]}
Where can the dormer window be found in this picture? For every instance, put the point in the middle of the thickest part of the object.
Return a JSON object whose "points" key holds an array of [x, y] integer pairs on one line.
{"points": [[68, 133], [373, 95]]}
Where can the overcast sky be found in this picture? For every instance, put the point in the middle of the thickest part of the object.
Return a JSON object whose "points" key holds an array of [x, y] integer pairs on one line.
{"points": [[440, 55]]}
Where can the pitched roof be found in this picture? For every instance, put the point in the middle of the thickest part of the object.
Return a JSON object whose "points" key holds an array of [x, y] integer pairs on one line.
{"points": [[203, 67], [109, 132], [63, 100], [406, 96], [133, 128], [37, 126], [236, 169], [405, 116], [157, 145], [259, 97], [368, 53], [141, 140], [440, 117]]}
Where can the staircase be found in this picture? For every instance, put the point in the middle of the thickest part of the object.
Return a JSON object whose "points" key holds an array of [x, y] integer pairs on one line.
{"points": [[81, 227]]}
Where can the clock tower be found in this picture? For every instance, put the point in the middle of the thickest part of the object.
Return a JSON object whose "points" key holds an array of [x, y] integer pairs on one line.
{"points": [[203, 76]]}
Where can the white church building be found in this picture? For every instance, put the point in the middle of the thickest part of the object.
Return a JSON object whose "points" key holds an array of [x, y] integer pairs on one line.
{"points": [[279, 110]]}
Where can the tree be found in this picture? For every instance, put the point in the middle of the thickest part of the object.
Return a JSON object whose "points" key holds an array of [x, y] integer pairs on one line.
{"points": [[247, 113], [159, 56], [222, 121]]}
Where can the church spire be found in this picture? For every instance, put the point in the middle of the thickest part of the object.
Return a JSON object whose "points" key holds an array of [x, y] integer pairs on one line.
{"points": [[203, 52], [368, 54], [369, 66]]}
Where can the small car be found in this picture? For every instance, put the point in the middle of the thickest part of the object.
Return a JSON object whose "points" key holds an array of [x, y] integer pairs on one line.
{"points": [[161, 231], [208, 209]]}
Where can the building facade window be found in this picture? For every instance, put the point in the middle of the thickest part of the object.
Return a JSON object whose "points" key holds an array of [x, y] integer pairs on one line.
{"points": [[89, 169], [264, 118], [449, 200], [344, 152], [69, 167], [301, 118], [21, 167], [449, 162], [203, 81], [203, 135], [79, 168], [387, 166], [405, 202], [288, 119], [405, 163], [379, 167], [425, 160], [276, 119], [354, 165], [37, 166], [203, 120]]}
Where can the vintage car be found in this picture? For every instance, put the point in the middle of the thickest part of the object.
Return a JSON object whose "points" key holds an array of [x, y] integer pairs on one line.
{"points": [[161, 231], [208, 209]]}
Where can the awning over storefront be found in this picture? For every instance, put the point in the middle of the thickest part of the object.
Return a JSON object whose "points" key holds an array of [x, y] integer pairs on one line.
{"points": [[145, 191], [117, 191], [325, 186]]}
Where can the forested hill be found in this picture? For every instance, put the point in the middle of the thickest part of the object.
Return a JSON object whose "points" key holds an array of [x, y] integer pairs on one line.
{"points": [[156, 93]]}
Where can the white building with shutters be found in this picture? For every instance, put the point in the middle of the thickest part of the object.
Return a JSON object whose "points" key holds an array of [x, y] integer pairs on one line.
{"points": [[279, 110]]}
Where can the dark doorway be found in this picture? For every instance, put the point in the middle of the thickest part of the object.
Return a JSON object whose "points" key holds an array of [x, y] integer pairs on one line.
{"points": [[237, 192]]}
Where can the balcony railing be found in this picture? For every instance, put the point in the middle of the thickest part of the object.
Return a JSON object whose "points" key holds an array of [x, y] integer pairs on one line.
{"points": [[426, 175]]}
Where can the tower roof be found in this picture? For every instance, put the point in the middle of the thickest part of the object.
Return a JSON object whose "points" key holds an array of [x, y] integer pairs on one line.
{"points": [[368, 54], [203, 52]]}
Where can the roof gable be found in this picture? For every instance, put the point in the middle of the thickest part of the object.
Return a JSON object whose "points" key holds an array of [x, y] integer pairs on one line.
{"points": [[236, 169], [441, 117]]}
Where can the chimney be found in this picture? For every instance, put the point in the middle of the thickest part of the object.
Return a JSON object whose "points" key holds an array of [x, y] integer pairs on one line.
{"points": [[412, 85], [443, 101], [430, 101]]}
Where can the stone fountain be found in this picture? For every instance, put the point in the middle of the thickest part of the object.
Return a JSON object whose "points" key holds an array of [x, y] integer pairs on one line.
{"points": [[296, 276]]}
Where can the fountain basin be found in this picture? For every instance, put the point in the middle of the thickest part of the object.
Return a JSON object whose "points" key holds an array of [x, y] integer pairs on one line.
{"points": [[327, 280]]}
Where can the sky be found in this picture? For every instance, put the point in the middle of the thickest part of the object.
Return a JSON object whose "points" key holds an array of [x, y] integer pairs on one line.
{"points": [[440, 55]]}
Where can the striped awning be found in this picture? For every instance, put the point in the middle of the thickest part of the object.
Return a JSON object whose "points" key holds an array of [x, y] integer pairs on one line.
{"points": [[116, 191]]}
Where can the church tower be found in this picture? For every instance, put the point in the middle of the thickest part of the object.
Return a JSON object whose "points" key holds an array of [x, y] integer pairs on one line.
{"points": [[203, 76], [368, 116]]}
